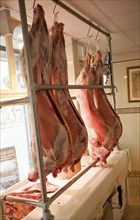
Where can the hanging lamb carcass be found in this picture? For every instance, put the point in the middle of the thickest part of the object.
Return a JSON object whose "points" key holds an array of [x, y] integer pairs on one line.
{"points": [[103, 124]]}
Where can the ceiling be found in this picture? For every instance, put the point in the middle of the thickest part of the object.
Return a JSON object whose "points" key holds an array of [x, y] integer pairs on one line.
{"points": [[121, 18]]}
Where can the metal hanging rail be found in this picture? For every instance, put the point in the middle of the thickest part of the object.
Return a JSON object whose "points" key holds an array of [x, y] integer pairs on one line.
{"points": [[35, 87], [86, 21], [22, 101]]}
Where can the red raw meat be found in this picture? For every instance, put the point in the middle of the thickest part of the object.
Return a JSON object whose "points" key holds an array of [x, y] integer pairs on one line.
{"points": [[55, 136], [59, 76], [20, 210], [102, 123], [102, 103]]}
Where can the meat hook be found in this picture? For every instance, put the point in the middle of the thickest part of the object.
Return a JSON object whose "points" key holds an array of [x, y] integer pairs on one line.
{"points": [[89, 29], [55, 13], [97, 40], [34, 4], [97, 35]]}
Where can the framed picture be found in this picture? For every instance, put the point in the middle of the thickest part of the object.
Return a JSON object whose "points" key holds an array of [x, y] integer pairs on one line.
{"points": [[133, 77]]}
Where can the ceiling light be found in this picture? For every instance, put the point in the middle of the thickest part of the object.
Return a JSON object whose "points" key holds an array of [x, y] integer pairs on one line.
{"points": [[125, 77]]}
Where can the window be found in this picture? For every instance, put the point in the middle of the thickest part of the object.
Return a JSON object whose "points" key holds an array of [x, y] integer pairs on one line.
{"points": [[9, 167], [18, 44], [14, 126], [14, 152], [11, 82], [4, 70]]}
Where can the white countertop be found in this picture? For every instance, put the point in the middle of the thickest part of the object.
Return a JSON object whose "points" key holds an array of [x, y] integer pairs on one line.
{"points": [[86, 197]]}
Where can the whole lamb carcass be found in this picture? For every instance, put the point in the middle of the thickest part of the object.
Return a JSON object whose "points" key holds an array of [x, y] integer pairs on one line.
{"points": [[101, 134], [102, 104], [59, 76]]}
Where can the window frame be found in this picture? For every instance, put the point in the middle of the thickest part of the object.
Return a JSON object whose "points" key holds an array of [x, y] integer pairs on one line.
{"points": [[13, 92]]}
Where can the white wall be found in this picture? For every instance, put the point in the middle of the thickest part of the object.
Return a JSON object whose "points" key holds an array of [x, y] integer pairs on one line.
{"points": [[131, 122]]}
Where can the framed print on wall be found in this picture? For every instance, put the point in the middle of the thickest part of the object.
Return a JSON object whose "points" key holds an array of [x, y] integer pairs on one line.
{"points": [[133, 79]]}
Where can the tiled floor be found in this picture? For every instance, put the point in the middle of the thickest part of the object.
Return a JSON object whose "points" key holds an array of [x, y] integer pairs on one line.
{"points": [[132, 210]]}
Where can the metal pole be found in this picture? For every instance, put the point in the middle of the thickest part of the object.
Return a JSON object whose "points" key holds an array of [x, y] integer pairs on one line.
{"points": [[46, 212], [88, 22], [2, 208], [20, 200], [111, 70], [35, 86], [15, 102]]}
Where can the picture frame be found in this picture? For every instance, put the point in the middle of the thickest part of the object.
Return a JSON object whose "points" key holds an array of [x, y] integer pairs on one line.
{"points": [[133, 80]]}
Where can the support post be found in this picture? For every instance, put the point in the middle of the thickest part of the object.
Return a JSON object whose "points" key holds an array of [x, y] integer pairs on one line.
{"points": [[46, 212], [111, 70]]}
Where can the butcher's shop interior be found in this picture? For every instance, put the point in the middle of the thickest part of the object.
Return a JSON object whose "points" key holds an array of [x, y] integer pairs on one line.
{"points": [[70, 110]]}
